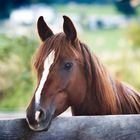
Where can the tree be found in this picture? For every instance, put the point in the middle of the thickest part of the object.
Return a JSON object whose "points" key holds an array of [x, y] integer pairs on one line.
{"points": [[125, 7]]}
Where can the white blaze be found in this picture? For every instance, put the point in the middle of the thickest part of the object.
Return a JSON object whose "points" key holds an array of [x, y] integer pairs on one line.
{"points": [[37, 114], [47, 64]]}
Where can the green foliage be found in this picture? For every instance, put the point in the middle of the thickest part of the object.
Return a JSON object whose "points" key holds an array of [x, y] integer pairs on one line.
{"points": [[15, 71], [134, 35]]}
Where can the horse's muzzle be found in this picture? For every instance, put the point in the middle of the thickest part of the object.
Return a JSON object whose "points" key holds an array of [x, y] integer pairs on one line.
{"points": [[41, 119]]}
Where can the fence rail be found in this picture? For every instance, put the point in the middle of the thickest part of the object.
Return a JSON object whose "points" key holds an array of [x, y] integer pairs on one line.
{"points": [[126, 127]]}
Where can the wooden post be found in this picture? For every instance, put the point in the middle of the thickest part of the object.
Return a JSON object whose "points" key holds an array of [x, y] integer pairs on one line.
{"points": [[123, 127]]}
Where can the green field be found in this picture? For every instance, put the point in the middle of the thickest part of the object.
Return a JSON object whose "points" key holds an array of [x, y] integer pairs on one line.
{"points": [[103, 40]]}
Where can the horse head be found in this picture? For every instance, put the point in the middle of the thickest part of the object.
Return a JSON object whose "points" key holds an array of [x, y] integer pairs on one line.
{"points": [[60, 75]]}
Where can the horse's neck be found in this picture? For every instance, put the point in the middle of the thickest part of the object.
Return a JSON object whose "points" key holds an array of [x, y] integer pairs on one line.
{"points": [[87, 107], [105, 95], [90, 106], [127, 101]]}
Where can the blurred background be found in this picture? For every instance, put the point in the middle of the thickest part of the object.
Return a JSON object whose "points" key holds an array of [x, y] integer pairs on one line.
{"points": [[111, 28]]}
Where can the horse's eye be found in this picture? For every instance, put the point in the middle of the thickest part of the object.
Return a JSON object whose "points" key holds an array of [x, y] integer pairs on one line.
{"points": [[68, 66]]}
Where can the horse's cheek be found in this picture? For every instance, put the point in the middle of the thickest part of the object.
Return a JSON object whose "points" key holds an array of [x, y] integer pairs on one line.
{"points": [[62, 102], [77, 90]]}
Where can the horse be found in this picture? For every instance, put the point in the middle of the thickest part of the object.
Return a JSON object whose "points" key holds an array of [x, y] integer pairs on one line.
{"points": [[69, 75]]}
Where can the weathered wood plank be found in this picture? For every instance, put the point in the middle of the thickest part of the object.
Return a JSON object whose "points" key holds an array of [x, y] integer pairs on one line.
{"points": [[126, 127]]}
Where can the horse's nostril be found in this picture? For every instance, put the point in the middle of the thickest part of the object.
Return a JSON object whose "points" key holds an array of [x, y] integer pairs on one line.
{"points": [[40, 115]]}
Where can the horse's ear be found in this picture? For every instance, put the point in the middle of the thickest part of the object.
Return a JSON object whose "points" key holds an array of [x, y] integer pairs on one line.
{"points": [[69, 29], [43, 30]]}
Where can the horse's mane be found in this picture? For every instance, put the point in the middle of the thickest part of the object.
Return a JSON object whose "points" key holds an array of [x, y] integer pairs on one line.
{"points": [[111, 96]]}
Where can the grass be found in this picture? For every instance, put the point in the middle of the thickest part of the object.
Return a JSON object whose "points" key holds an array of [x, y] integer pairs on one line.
{"points": [[103, 40]]}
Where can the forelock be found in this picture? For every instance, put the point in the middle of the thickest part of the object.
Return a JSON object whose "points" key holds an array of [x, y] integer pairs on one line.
{"points": [[59, 44]]}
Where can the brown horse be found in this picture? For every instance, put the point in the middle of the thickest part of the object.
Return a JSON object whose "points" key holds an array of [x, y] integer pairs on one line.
{"points": [[69, 75]]}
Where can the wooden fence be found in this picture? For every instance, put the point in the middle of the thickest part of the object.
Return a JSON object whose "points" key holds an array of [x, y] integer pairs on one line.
{"points": [[115, 127]]}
